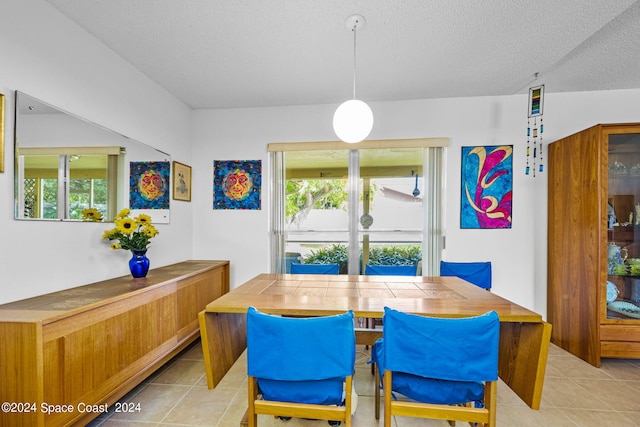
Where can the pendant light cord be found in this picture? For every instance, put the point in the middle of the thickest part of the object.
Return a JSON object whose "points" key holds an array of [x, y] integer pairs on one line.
{"points": [[354, 60]]}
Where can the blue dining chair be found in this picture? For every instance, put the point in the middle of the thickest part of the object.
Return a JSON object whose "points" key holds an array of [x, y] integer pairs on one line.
{"points": [[300, 366], [390, 270], [315, 268], [478, 273], [446, 368]]}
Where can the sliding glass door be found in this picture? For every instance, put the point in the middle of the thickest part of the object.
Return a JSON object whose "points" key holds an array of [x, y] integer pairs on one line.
{"points": [[353, 207]]}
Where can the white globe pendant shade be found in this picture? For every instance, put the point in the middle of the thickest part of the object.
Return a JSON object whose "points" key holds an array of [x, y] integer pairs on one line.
{"points": [[353, 121]]}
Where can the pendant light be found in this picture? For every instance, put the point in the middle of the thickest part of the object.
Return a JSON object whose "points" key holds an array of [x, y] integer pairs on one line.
{"points": [[353, 120]]}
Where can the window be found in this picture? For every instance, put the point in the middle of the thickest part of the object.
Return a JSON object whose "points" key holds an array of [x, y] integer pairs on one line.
{"points": [[355, 204], [54, 183]]}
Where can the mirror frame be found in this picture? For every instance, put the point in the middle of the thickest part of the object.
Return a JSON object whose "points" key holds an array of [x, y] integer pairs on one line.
{"points": [[2, 103]]}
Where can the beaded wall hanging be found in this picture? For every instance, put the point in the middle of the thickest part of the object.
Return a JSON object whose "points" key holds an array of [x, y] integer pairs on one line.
{"points": [[535, 130]]}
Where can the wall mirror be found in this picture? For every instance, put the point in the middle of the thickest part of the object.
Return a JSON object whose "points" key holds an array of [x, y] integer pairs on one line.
{"points": [[65, 164]]}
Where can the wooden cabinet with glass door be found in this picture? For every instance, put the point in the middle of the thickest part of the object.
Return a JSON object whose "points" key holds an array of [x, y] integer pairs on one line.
{"points": [[593, 298]]}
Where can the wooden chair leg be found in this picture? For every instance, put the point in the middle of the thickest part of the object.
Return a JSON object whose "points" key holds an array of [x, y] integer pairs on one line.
{"points": [[387, 398], [490, 402], [252, 417], [347, 401], [376, 383]]}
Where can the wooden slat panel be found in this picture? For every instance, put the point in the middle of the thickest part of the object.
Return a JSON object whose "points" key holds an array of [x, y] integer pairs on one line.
{"points": [[620, 349], [186, 302], [101, 355], [194, 294], [619, 332], [21, 345]]}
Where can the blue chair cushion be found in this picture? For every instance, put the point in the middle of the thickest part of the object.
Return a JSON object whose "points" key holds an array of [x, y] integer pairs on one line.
{"points": [[321, 392], [390, 270], [315, 268], [478, 273], [429, 390], [437, 391], [302, 360]]}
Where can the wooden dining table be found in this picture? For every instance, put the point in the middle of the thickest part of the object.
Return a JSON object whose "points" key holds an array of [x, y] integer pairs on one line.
{"points": [[524, 336]]}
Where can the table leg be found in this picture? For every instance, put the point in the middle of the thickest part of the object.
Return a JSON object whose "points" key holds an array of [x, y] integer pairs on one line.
{"points": [[224, 338], [524, 348]]}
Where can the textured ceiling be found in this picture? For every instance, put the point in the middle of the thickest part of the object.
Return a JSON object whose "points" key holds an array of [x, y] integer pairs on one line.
{"points": [[251, 53]]}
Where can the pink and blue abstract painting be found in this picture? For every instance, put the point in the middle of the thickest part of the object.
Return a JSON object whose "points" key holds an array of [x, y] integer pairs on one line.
{"points": [[487, 187]]}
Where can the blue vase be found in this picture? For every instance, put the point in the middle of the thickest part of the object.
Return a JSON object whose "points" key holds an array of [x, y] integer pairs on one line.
{"points": [[139, 264]]}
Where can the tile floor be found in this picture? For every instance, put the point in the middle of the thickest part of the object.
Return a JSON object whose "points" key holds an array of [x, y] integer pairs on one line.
{"points": [[575, 394]]}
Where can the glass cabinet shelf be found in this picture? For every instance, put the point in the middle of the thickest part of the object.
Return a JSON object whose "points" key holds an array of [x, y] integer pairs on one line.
{"points": [[623, 225]]}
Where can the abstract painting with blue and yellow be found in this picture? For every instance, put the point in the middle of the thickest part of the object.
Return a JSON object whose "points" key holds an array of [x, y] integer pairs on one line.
{"points": [[487, 187], [237, 184], [149, 185]]}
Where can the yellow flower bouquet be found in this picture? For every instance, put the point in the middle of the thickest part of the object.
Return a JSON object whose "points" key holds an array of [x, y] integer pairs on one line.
{"points": [[131, 233]]}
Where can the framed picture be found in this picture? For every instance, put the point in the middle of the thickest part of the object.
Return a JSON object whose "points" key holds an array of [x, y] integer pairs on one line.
{"points": [[1, 132], [181, 182], [149, 185], [237, 184], [536, 100], [486, 187]]}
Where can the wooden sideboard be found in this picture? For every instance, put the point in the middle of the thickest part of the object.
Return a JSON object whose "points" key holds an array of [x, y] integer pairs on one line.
{"points": [[76, 352]]}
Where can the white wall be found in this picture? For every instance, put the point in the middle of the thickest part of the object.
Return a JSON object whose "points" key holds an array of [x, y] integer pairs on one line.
{"points": [[518, 254], [47, 56]]}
